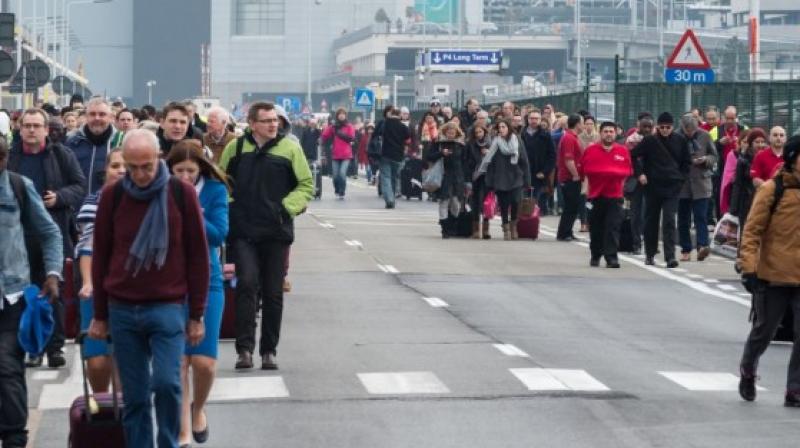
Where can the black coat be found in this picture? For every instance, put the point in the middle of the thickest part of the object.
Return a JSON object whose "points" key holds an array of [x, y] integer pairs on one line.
{"points": [[742, 190], [455, 167], [541, 154], [309, 140], [64, 176], [665, 162]]}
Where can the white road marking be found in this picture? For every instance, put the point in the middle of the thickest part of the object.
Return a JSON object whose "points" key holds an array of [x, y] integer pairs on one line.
{"points": [[391, 269], [396, 383], [511, 350], [582, 244], [727, 287], [705, 381], [248, 388], [711, 280], [538, 379], [744, 294], [695, 276], [326, 225], [382, 268], [435, 302], [681, 270], [353, 243], [59, 396], [45, 375]]}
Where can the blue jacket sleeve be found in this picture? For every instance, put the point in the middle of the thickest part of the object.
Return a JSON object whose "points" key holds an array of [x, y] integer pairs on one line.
{"points": [[215, 212], [46, 231]]}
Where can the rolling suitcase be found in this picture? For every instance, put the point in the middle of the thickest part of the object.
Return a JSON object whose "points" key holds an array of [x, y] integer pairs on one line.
{"points": [[316, 174], [69, 295], [528, 226], [95, 419], [411, 179], [626, 231]]}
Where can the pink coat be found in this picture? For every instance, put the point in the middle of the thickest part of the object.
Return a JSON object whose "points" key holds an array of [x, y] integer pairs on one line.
{"points": [[728, 174], [342, 149]]}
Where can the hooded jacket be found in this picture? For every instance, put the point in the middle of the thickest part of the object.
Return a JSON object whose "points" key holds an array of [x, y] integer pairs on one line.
{"points": [[91, 152], [456, 166], [771, 241]]}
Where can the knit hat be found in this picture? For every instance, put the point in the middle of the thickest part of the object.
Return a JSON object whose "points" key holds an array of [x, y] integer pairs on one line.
{"points": [[790, 152], [665, 118]]}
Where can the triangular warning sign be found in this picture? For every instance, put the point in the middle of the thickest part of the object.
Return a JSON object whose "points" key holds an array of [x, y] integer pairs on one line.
{"points": [[688, 53], [364, 100]]}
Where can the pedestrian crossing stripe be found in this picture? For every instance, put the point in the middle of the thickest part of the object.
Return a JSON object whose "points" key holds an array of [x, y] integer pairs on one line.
{"points": [[248, 388], [538, 379], [705, 381], [401, 383]]}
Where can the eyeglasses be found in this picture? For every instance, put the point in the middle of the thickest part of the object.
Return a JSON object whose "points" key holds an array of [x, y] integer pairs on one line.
{"points": [[267, 120]]}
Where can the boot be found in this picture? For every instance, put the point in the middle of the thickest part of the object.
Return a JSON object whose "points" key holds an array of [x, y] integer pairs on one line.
{"points": [[506, 233], [513, 230], [486, 234], [476, 230], [443, 224]]}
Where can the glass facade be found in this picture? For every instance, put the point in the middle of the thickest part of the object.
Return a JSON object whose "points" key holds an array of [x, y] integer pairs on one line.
{"points": [[259, 17]]}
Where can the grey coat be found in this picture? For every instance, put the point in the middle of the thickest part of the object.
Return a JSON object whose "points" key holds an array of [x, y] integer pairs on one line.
{"points": [[502, 175], [698, 184]]}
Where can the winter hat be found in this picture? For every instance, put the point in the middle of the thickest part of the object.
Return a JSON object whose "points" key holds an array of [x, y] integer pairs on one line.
{"points": [[665, 118], [36, 323], [790, 152]]}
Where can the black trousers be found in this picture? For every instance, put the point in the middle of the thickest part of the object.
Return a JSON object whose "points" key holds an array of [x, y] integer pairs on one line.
{"points": [[259, 267], [13, 390], [605, 219], [476, 200], [637, 215], [509, 204], [770, 305], [661, 210], [572, 198]]}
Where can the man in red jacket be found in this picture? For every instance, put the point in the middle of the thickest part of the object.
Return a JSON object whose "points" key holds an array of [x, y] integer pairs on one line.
{"points": [[150, 258], [606, 165]]}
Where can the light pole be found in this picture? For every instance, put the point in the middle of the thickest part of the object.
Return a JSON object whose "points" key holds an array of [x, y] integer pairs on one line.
{"points": [[150, 85], [394, 89], [69, 23], [308, 53]]}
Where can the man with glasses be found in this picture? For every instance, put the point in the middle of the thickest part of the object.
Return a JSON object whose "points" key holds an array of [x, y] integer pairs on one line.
{"points": [[273, 184], [662, 162], [59, 181]]}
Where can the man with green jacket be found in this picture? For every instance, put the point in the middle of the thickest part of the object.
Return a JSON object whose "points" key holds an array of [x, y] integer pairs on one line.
{"points": [[272, 185]]}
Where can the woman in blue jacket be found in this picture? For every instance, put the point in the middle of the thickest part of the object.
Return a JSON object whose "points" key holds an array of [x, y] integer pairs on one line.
{"points": [[187, 161]]}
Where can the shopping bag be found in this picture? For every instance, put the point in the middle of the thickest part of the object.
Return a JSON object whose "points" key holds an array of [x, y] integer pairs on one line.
{"points": [[726, 236], [490, 206], [432, 178]]}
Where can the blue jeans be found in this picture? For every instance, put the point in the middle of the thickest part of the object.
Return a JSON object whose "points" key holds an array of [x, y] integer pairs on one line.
{"points": [[390, 177], [339, 168], [688, 208], [540, 195], [148, 347]]}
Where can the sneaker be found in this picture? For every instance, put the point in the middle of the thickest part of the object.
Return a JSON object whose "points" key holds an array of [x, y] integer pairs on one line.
{"points": [[747, 387], [34, 361], [792, 400], [390, 205], [703, 253], [245, 361], [672, 264], [56, 360]]}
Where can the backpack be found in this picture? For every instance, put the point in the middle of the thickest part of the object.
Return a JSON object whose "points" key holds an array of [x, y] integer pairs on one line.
{"points": [[175, 187], [779, 189]]}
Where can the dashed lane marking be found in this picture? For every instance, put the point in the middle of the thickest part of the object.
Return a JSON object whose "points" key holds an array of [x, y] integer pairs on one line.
{"points": [[511, 350], [248, 388], [389, 269], [353, 243], [435, 302], [711, 280], [400, 383]]}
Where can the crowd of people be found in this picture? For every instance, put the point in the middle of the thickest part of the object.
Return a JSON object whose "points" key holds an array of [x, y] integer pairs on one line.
{"points": [[145, 200]]}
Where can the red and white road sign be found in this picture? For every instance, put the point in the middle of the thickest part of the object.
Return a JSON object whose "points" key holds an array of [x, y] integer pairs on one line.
{"points": [[688, 53]]}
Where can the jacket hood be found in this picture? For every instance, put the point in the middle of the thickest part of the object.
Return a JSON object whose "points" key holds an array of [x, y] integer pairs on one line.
{"points": [[286, 124]]}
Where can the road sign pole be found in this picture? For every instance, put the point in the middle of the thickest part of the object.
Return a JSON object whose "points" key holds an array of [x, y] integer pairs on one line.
{"points": [[688, 98]]}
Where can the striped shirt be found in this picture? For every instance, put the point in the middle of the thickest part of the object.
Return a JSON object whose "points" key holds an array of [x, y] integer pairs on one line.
{"points": [[85, 221]]}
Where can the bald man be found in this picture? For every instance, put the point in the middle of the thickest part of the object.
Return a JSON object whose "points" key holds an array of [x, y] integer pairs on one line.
{"points": [[767, 162], [150, 258]]}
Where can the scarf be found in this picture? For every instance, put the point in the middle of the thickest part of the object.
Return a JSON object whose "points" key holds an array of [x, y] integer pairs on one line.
{"points": [[508, 147], [98, 139], [152, 240]]}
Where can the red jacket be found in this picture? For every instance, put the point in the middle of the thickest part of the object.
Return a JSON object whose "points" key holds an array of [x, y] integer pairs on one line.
{"points": [[185, 272], [606, 170], [569, 148], [342, 149]]}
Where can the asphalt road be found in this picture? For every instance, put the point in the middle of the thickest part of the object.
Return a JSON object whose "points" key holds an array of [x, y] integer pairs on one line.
{"points": [[393, 337]]}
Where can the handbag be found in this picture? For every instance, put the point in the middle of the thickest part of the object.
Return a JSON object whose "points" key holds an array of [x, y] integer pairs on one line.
{"points": [[725, 240], [490, 208], [432, 178]]}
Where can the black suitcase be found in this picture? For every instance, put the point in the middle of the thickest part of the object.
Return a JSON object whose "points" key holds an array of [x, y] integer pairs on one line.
{"points": [[459, 226], [316, 174], [411, 179]]}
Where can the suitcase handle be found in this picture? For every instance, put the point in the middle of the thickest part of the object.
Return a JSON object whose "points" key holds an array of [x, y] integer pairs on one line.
{"points": [[89, 402]]}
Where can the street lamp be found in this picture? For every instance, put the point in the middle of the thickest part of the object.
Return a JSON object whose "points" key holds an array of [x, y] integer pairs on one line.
{"points": [[394, 90], [150, 85], [68, 24]]}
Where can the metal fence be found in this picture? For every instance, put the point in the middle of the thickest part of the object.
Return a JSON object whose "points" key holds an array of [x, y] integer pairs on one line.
{"points": [[763, 103]]}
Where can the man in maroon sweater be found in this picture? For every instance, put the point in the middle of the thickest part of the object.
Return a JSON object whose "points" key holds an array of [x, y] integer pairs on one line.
{"points": [[150, 258]]}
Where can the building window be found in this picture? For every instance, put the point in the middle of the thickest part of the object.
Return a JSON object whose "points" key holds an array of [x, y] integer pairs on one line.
{"points": [[259, 17]]}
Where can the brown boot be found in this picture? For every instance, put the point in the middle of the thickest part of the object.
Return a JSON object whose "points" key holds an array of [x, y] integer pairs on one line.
{"points": [[486, 234], [476, 230], [513, 230], [506, 233]]}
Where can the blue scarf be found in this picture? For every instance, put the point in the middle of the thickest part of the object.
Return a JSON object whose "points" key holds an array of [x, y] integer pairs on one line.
{"points": [[152, 240]]}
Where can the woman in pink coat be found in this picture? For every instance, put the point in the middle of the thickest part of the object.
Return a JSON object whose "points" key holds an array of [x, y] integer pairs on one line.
{"points": [[343, 135]]}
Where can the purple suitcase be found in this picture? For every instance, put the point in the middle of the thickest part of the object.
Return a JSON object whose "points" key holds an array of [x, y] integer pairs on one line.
{"points": [[103, 428], [528, 226]]}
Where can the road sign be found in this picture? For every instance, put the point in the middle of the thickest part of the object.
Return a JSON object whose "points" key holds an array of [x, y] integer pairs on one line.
{"points": [[290, 104], [62, 85], [688, 53], [689, 76], [7, 66], [364, 98], [465, 60]]}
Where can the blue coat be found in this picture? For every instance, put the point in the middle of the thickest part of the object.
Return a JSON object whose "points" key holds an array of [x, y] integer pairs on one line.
{"points": [[214, 202], [91, 157]]}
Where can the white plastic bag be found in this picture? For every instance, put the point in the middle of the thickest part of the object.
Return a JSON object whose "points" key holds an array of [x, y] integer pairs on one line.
{"points": [[432, 178], [725, 241]]}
